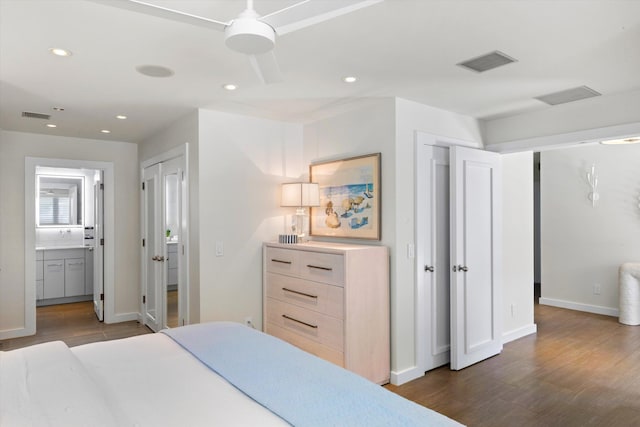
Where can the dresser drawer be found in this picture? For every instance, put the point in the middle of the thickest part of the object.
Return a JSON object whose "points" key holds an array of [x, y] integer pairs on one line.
{"points": [[282, 261], [320, 297], [310, 324], [303, 343], [322, 267]]}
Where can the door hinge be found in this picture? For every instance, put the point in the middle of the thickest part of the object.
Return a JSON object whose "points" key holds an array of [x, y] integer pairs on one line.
{"points": [[143, 186], [183, 175], [143, 242], [182, 249], [101, 297], [144, 299], [101, 242]]}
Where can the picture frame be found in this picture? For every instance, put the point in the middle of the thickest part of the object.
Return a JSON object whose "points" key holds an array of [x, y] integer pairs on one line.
{"points": [[350, 201]]}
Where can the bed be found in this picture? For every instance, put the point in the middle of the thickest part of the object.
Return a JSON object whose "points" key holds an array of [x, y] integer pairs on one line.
{"points": [[210, 374]]}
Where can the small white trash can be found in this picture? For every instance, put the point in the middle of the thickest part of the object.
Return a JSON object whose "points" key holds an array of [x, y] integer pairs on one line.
{"points": [[629, 276]]}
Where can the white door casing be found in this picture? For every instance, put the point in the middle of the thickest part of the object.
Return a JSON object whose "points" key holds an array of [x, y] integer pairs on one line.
{"points": [[476, 205], [98, 248]]}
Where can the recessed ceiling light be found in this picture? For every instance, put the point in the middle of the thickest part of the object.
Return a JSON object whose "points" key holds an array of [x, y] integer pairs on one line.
{"points": [[60, 52], [625, 141], [121, 117], [229, 86], [51, 125], [350, 79], [105, 131], [155, 71], [58, 109]]}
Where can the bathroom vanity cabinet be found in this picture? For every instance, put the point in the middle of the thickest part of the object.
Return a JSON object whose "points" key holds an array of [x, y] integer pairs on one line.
{"points": [[62, 275]]}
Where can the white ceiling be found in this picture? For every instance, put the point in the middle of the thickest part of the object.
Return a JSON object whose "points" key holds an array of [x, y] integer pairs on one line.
{"points": [[403, 48]]}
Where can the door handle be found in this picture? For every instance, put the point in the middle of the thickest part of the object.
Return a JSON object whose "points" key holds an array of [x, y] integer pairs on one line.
{"points": [[460, 268], [155, 258], [429, 268]]}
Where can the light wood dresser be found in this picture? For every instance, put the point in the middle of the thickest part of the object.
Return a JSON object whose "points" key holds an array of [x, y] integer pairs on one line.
{"points": [[331, 300]]}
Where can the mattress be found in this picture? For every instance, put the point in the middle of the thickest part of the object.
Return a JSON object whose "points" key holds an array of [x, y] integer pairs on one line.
{"points": [[153, 380]]}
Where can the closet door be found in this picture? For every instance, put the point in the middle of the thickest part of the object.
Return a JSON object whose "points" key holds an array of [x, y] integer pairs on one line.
{"points": [[153, 255], [476, 327], [435, 264]]}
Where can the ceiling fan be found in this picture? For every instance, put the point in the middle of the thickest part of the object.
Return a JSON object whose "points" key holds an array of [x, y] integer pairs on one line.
{"points": [[251, 33]]}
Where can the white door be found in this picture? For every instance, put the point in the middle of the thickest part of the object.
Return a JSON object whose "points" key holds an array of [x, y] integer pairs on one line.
{"points": [[476, 326], [153, 255], [435, 265], [98, 248]]}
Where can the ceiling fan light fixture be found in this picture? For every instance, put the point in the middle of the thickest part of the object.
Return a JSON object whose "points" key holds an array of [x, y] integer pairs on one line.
{"points": [[250, 36]]}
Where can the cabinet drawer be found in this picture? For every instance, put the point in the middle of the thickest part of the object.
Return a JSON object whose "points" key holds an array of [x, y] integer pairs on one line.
{"points": [[322, 267], [315, 326], [51, 254], [315, 296], [283, 261]]}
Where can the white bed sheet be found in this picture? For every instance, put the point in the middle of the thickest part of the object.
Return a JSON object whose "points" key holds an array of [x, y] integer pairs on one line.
{"points": [[155, 382]]}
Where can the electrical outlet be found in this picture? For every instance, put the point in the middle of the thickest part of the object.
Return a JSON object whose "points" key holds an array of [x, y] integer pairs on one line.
{"points": [[219, 248], [597, 289], [248, 321]]}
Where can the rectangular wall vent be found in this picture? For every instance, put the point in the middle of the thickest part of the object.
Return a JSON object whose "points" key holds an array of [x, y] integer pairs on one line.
{"points": [[487, 62], [35, 115], [568, 95]]}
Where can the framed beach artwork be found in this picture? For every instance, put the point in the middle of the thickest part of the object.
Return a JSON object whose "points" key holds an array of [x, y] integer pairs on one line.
{"points": [[349, 198]]}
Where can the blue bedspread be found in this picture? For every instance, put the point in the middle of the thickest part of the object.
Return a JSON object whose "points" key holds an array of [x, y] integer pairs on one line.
{"points": [[300, 388]]}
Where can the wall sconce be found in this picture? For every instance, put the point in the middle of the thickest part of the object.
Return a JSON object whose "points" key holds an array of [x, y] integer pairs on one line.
{"points": [[592, 179], [300, 195]]}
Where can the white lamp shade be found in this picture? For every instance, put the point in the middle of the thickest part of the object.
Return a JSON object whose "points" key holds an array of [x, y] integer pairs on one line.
{"points": [[298, 194]]}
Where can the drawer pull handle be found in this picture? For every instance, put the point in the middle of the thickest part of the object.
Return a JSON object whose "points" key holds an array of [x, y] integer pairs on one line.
{"points": [[320, 268], [299, 293], [300, 321], [280, 261]]}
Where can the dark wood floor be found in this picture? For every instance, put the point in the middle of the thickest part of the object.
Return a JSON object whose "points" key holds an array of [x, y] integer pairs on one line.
{"points": [[580, 369], [74, 324]]}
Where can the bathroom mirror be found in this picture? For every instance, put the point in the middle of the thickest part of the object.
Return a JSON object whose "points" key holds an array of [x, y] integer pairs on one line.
{"points": [[59, 200]]}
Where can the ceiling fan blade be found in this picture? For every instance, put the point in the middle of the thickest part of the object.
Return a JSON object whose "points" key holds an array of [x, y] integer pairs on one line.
{"points": [[310, 12], [163, 12], [266, 67]]}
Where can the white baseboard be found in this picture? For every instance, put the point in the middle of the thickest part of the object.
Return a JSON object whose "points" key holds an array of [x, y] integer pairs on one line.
{"points": [[607, 311], [123, 317], [519, 333], [15, 333], [399, 378]]}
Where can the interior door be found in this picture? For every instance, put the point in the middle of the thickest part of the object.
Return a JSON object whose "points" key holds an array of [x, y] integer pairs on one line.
{"points": [[476, 326], [98, 248], [436, 256], [153, 255]]}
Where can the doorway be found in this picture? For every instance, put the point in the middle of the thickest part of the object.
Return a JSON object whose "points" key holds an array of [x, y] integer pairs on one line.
{"points": [[164, 254], [107, 232]]}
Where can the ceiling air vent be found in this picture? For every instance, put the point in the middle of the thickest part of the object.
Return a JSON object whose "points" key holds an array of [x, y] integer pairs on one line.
{"points": [[35, 115], [568, 95], [487, 62]]}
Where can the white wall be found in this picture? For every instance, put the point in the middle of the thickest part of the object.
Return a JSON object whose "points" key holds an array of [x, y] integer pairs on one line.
{"points": [[14, 147], [242, 162], [583, 246], [183, 131], [517, 245], [589, 114]]}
